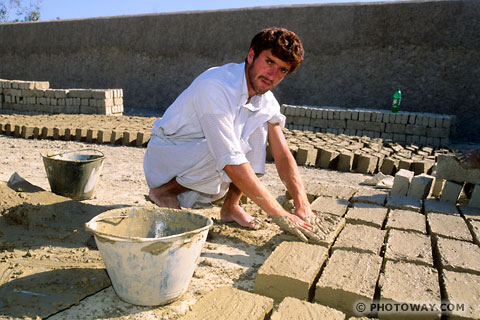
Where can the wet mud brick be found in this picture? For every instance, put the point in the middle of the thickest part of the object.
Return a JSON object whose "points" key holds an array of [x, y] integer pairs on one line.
{"points": [[448, 226], [372, 196], [290, 271], [292, 308], [348, 277], [230, 303], [410, 247], [329, 227], [335, 191], [401, 182], [449, 168], [360, 238], [333, 206], [431, 205], [367, 214], [474, 226], [406, 220], [404, 203], [462, 289], [456, 255], [451, 191], [409, 283]]}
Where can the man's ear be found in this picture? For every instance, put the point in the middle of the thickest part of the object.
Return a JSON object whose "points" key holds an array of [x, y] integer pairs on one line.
{"points": [[250, 56]]}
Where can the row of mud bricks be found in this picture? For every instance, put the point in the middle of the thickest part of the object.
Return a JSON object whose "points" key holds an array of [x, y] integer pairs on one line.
{"points": [[382, 256], [126, 138], [37, 97], [403, 127], [359, 154]]}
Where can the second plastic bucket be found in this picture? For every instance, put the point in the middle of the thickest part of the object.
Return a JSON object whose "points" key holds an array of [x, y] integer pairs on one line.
{"points": [[150, 253], [74, 174]]}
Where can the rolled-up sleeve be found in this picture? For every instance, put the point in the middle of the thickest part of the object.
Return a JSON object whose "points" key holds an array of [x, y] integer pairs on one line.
{"points": [[217, 122]]}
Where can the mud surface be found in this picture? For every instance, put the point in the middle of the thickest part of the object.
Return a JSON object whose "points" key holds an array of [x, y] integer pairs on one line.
{"points": [[49, 266]]}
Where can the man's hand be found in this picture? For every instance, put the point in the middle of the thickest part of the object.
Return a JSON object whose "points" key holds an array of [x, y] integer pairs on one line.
{"points": [[304, 230], [304, 212]]}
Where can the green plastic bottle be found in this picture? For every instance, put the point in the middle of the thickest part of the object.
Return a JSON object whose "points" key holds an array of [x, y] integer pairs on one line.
{"points": [[397, 97]]}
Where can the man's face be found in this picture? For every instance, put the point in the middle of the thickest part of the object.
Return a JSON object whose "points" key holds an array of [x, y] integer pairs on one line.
{"points": [[264, 72]]}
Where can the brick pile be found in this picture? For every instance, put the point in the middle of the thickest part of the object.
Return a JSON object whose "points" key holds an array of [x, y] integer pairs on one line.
{"points": [[389, 251], [403, 127], [37, 97]]}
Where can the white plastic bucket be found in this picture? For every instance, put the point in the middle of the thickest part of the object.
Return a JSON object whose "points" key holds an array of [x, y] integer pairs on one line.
{"points": [[150, 253]]}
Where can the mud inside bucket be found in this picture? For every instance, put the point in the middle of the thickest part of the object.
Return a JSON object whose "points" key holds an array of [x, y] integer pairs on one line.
{"points": [[74, 174], [150, 253]]}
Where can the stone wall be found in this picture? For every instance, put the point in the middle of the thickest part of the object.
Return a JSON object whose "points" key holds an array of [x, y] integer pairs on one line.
{"points": [[357, 55]]}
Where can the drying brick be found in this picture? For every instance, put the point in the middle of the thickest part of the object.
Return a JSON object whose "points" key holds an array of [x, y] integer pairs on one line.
{"points": [[408, 246], [457, 293], [345, 161], [291, 308], [330, 205], [431, 205], [373, 196], [367, 214], [404, 203], [329, 226], [406, 220], [327, 159], [389, 166], [451, 191], [449, 226], [348, 277], [280, 276], [366, 164], [420, 186], [401, 182], [456, 255], [360, 238]]}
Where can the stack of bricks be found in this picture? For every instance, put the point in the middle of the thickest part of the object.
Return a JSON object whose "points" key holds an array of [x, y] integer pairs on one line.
{"points": [[382, 257], [359, 154], [403, 127], [37, 97]]}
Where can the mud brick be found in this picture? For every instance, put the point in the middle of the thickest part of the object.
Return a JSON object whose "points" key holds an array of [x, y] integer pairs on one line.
{"points": [[128, 138], [116, 137], [230, 303], [408, 246], [423, 166], [9, 129], [17, 131], [470, 213], [406, 220], [27, 132], [401, 182], [306, 156], [348, 278], [420, 186], [327, 159], [143, 138], [457, 255], [335, 191], [366, 164], [431, 205], [367, 214], [405, 164], [58, 133], [345, 161], [36, 132], [449, 168], [448, 226], [330, 205], [104, 136], [451, 191], [474, 226], [80, 134], [46, 133], [69, 134], [292, 308], [360, 238], [92, 135], [329, 227], [404, 203], [389, 166], [475, 197], [462, 289], [279, 276], [408, 283], [368, 195], [437, 187]]}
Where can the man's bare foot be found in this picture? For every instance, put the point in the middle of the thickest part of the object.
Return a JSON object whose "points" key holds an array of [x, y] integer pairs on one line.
{"points": [[163, 200], [237, 214]]}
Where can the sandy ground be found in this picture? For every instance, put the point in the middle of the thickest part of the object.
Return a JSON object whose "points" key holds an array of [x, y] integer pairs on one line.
{"points": [[50, 239]]}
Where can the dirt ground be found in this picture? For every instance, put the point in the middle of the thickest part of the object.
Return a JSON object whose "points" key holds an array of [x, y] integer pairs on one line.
{"points": [[47, 253]]}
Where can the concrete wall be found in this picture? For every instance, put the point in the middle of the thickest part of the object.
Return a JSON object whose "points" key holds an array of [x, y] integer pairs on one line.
{"points": [[357, 55]]}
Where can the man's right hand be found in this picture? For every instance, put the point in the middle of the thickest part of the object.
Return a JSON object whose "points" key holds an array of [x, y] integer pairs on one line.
{"points": [[304, 230]]}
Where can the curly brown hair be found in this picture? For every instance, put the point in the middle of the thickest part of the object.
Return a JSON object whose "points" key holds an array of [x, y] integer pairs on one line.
{"points": [[285, 45]]}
